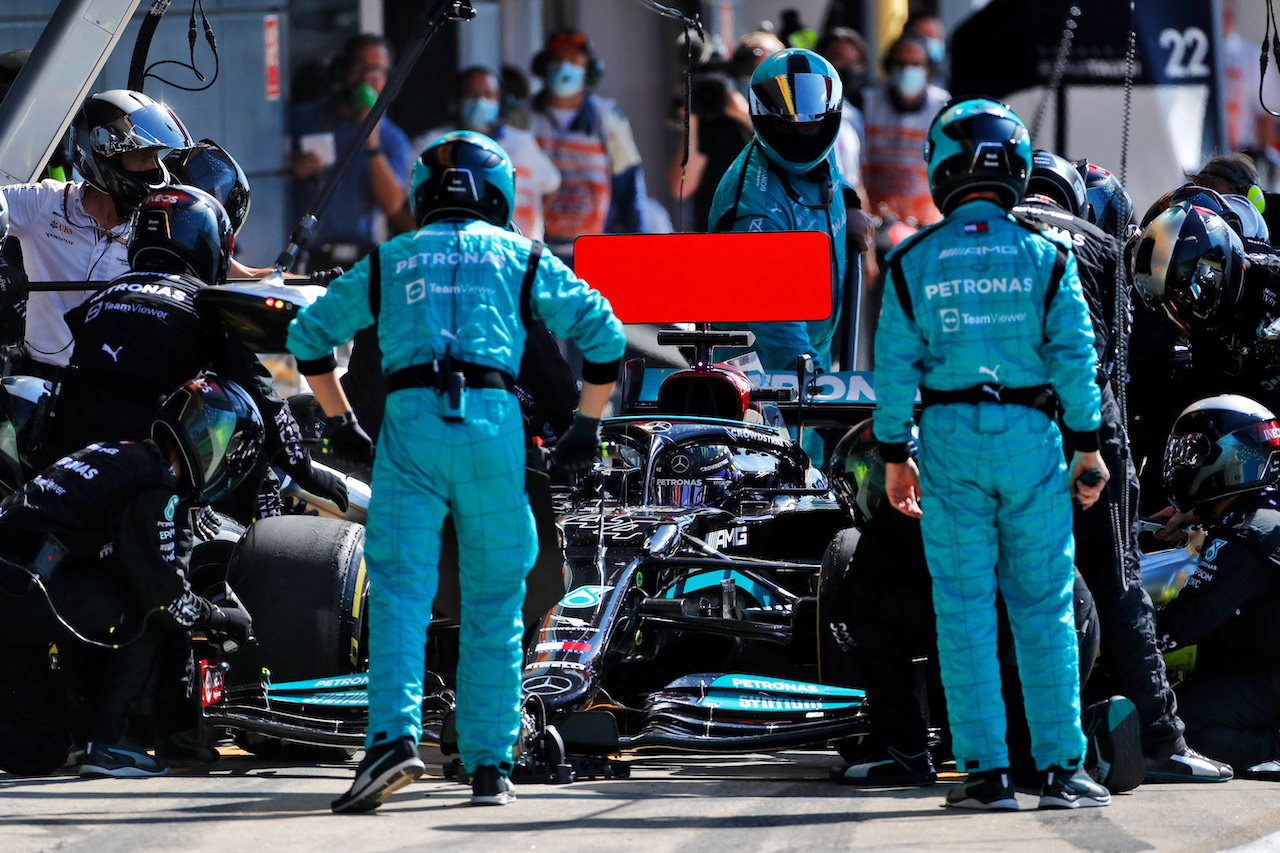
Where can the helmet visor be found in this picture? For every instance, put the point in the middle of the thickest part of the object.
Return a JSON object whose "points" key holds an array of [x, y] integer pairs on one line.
{"points": [[799, 97], [150, 126]]}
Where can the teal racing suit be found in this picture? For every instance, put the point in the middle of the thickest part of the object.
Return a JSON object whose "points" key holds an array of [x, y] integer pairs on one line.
{"points": [[754, 195], [984, 315], [452, 288]]}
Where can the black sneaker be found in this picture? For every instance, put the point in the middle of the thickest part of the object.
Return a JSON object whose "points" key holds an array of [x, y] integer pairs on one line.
{"points": [[123, 760], [491, 787], [386, 767], [889, 768], [989, 789], [1114, 754], [1187, 766], [1071, 789], [1268, 770], [185, 750]]}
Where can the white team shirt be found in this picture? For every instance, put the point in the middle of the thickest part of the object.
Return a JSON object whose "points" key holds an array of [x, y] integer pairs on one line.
{"points": [[60, 242]]}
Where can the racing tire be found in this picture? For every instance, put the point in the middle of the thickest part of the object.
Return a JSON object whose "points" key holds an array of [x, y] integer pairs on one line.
{"points": [[835, 665], [303, 580]]}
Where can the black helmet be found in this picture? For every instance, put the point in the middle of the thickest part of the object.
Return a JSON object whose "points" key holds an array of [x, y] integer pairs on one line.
{"points": [[182, 230], [217, 432], [858, 470], [694, 475], [118, 121], [1220, 446], [977, 145], [796, 97], [1108, 205], [1057, 178], [1191, 264], [209, 167], [1191, 194], [466, 174]]}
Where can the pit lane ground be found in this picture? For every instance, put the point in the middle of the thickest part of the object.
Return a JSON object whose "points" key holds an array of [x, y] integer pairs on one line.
{"points": [[689, 803]]}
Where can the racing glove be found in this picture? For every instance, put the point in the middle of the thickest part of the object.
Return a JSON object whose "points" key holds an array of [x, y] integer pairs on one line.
{"points": [[323, 277], [576, 450], [207, 523], [346, 442], [230, 627], [319, 481]]}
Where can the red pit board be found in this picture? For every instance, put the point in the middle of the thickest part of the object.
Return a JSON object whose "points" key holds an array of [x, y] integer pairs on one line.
{"points": [[710, 278]]}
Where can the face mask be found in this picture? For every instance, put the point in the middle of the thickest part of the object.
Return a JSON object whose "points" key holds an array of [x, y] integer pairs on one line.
{"points": [[937, 49], [909, 80], [853, 79], [478, 113], [566, 79]]}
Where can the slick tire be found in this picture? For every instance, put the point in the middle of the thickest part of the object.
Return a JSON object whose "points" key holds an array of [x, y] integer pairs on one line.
{"points": [[835, 665], [303, 580]]}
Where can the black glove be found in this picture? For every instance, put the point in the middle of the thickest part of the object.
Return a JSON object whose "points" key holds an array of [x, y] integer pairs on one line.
{"points": [[230, 627], [320, 482], [207, 523], [323, 277], [576, 450], [347, 443]]}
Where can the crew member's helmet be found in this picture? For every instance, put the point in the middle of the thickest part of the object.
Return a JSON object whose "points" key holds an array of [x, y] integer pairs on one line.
{"points": [[1245, 219], [858, 471], [1191, 264], [1220, 446], [796, 97], [694, 475], [1057, 178], [217, 432], [208, 166], [118, 121], [1188, 193], [1108, 204], [182, 230], [977, 145], [463, 174]]}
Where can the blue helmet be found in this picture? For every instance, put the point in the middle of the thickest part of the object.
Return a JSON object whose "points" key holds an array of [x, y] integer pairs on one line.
{"points": [[463, 174], [796, 97], [977, 145]]}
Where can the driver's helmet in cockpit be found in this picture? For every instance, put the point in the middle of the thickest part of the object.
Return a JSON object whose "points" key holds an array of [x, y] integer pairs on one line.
{"points": [[699, 475]]}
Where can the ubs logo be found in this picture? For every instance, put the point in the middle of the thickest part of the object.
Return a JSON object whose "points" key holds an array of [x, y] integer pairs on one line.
{"points": [[950, 319]]}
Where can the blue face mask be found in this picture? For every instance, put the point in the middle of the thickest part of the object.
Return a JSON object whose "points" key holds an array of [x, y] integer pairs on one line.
{"points": [[937, 49], [478, 113], [566, 79], [909, 80]]}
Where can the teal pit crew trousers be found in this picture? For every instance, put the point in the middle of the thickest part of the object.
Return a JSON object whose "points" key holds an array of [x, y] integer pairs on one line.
{"points": [[425, 469], [994, 487]]}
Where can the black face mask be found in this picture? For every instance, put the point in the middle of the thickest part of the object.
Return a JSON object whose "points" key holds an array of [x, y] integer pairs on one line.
{"points": [[853, 79]]}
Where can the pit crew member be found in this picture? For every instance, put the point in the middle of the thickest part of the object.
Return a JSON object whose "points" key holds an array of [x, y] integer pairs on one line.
{"points": [[451, 301], [96, 547], [987, 359]]}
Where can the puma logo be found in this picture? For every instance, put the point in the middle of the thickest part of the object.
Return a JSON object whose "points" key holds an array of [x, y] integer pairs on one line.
{"points": [[992, 371], [114, 353], [993, 391]]}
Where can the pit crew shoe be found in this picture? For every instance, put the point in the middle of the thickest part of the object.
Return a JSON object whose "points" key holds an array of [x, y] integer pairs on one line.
{"points": [[1071, 789], [1187, 766], [1114, 754], [889, 768], [490, 787], [991, 790], [1267, 770], [123, 760], [385, 768], [186, 750]]}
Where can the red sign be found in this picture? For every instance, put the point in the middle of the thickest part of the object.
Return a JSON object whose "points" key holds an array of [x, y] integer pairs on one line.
{"points": [[210, 683], [271, 51], [705, 278]]}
